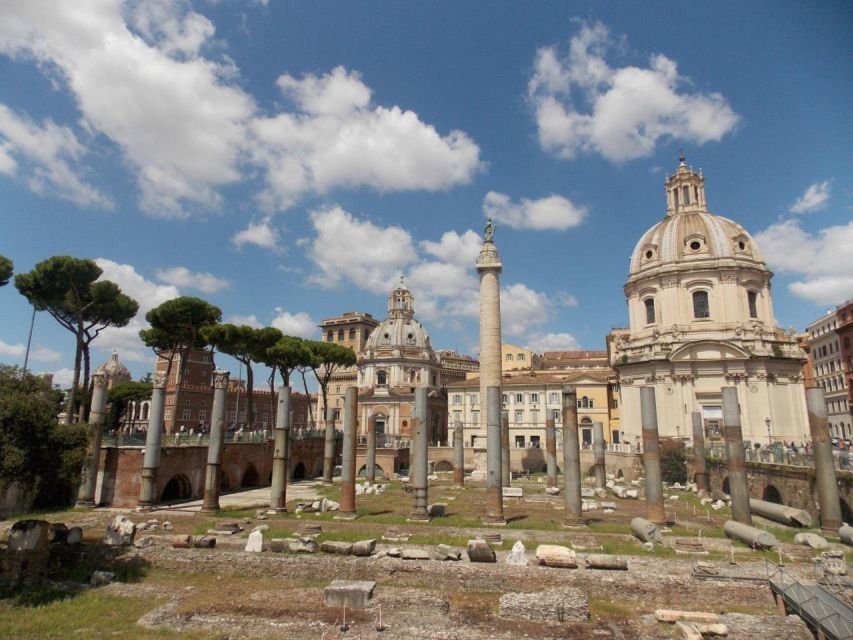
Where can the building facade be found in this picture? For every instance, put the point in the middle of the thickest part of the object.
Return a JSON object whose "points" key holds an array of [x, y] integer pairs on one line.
{"points": [[830, 357], [700, 319]]}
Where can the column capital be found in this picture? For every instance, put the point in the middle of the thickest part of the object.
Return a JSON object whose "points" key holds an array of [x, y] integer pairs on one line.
{"points": [[99, 380], [489, 258], [220, 379]]}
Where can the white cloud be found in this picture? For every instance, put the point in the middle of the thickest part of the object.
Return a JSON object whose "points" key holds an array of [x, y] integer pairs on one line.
{"points": [[183, 277], [815, 198], [455, 248], [261, 234], [174, 115], [62, 377], [300, 324], [38, 353], [50, 155], [824, 259], [346, 248], [553, 212], [148, 294], [151, 78], [583, 105], [250, 320], [553, 342], [522, 309], [567, 299], [337, 138]]}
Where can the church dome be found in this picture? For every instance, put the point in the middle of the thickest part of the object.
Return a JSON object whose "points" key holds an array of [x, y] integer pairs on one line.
{"points": [[689, 235], [399, 331], [113, 368]]}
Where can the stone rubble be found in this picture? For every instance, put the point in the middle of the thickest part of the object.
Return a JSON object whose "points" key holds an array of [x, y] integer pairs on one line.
{"points": [[481, 551], [552, 555], [557, 605], [120, 532], [517, 557]]}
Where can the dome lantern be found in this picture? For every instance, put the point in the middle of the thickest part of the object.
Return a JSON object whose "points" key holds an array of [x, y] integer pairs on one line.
{"points": [[401, 302], [685, 190]]}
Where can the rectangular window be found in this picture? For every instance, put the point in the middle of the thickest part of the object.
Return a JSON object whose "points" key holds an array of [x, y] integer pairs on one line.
{"points": [[521, 357], [519, 398], [202, 415], [553, 398], [457, 399], [509, 357], [475, 417], [473, 399], [701, 309], [519, 417], [534, 398], [556, 415], [167, 415], [534, 441], [187, 414], [752, 299], [457, 415], [519, 442]]}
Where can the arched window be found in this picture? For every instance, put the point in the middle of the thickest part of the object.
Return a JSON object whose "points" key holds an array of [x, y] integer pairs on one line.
{"points": [[381, 378], [700, 305], [650, 310], [686, 192], [585, 402], [752, 299], [330, 336], [352, 334], [340, 334]]}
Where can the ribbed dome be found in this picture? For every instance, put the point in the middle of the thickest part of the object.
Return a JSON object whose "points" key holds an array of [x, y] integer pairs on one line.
{"points": [[113, 367], [694, 236], [398, 333]]}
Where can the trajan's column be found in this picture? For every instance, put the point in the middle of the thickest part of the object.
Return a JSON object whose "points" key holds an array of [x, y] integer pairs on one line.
{"points": [[489, 268]]}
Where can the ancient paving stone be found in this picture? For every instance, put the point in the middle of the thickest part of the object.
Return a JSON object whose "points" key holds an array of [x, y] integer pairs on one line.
{"points": [[413, 553], [333, 546], [518, 555], [99, 578], [444, 552], [561, 604], [480, 551], [363, 548], [120, 532], [255, 543], [355, 594], [29, 535], [552, 555], [75, 535]]}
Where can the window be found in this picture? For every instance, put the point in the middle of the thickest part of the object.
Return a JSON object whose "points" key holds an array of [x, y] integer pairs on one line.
{"points": [[475, 417], [584, 402], [167, 415], [519, 398], [352, 334], [187, 414], [553, 397], [509, 357], [556, 415], [202, 415], [457, 415], [686, 192], [650, 310], [381, 378], [519, 442], [752, 300], [700, 305], [521, 357], [505, 398], [473, 399], [330, 336], [336, 414], [534, 398], [457, 399], [534, 441], [340, 334], [519, 417]]}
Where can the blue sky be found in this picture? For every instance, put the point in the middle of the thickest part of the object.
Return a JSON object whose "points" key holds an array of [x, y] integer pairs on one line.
{"points": [[287, 161]]}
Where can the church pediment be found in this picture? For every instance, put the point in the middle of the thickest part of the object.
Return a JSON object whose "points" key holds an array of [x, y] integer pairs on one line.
{"points": [[708, 350]]}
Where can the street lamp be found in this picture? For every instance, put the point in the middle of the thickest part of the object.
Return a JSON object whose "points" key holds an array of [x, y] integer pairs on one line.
{"points": [[769, 438]]}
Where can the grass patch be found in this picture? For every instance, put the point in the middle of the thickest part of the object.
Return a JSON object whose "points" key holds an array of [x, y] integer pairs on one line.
{"points": [[607, 609]]}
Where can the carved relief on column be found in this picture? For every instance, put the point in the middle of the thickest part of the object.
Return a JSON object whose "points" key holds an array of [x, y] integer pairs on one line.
{"points": [[220, 379], [159, 380], [99, 380]]}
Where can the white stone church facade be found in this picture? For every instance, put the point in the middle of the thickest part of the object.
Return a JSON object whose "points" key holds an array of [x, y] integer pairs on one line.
{"points": [[701, 318]]}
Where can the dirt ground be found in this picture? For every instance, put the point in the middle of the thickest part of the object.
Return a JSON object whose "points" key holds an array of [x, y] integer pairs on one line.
{"points": [[227, 592]]}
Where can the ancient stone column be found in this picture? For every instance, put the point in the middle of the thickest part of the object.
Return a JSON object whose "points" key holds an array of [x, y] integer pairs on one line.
{"points": [[86, 494], [506, 471], [216, 442], [489, 269], [571, 458], [700, 466], [598, 450], [148, 496], [348, 464], [738, 485], [458, 455], [281, 451], [329, 451], [370, 463], [494, 489], [824, 467], [655, 511], [551, 452], [420, 464]]}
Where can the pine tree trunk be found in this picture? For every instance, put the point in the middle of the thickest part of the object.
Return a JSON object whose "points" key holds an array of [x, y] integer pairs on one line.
{"points": [[72, 394], [83, 413], [250, 395]]}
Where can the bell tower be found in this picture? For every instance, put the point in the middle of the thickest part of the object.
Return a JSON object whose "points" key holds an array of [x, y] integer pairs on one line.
{"points": [[685, 190]]}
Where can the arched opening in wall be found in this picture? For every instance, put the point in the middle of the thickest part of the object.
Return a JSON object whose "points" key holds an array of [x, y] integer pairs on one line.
{"points": [[298, 472], [444, 465], [250, 477], [224, 481], [726, 485], [178, 488], [620, 475], [362, 473], [771, 494]]}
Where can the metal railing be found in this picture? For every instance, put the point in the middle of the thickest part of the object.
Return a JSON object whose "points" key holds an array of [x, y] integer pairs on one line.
{"points": [[202, 440], [779, 455], [818, 607]]}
